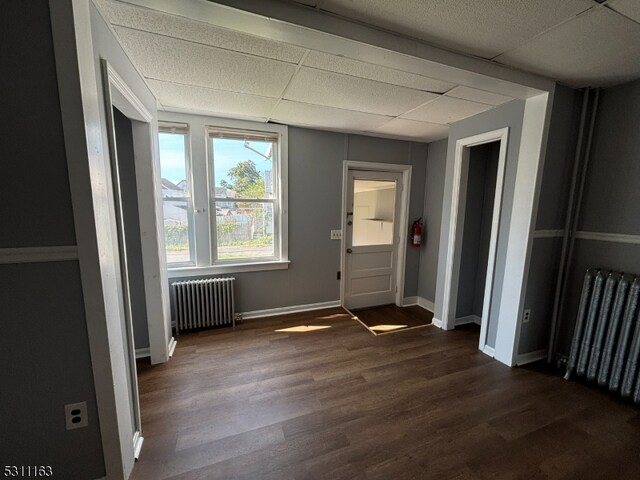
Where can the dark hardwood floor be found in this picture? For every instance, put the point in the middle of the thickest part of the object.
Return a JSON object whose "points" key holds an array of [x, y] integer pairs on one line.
{"points": [[341, 403]]}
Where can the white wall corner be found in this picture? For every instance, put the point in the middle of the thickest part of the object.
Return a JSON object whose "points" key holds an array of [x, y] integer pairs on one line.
{"points": [[535, 126]]}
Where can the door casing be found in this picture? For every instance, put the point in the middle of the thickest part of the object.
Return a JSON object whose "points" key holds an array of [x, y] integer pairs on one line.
{"points": [[456, 225]]}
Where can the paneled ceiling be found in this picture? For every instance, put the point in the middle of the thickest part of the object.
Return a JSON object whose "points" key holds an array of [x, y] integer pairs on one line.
{"points": [[202, 68], [577, 42]]}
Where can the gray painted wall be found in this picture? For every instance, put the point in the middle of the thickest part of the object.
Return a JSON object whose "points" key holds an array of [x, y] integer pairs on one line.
{"points": [[552, 208], [481, 189], [46, 359], [431, 218], [128, 188], [611, 201], [315, 203]]}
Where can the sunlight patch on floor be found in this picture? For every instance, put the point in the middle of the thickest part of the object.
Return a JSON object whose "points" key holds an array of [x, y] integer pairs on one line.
{"points": [[303, 328], [387, 328]]}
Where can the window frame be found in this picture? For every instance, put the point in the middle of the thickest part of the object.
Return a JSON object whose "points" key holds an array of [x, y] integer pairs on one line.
{"points": [[203, 194], [274, 201], [182, 129]]}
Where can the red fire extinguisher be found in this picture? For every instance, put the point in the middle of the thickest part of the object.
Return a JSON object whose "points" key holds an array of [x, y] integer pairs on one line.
{"points": [[416, 233]]}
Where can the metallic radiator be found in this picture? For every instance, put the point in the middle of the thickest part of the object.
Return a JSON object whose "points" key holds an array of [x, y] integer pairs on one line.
{"points": [[203, 303], [606, 340]]}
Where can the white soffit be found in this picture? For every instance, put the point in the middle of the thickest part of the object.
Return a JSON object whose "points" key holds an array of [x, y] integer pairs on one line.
{"points": [[628, 8], [597, 48], [352, 93], [356, 68], [446, 110], [295, 113], [479, 96], [411, 129], [172, 95], [484, 28], [179, 61], [153, 21]]}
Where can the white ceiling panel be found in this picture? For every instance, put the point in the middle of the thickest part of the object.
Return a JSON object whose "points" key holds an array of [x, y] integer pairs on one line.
{"points": [[598, 48], [154, 21], [446, 110], [215, 101], [401, 127], [296, 113], [356, 68], [479, 96], [629, 8], [352, 93], [169, 59], [484, 28]]}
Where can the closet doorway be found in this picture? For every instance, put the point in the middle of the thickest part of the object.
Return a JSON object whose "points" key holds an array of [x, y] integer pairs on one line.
{"points": [[474, 229]]}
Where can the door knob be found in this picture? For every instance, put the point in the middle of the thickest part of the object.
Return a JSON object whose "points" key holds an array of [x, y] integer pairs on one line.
{"points": [[349, 223], [349, 250]]}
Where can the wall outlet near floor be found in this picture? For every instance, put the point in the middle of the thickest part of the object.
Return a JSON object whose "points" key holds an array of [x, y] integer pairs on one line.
{"points": [[76, 415], [526, 316], [336, 234]]}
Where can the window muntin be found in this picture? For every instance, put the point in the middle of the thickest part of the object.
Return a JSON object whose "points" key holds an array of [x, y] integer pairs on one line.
{"points": [[176, 195], [244, 196]]}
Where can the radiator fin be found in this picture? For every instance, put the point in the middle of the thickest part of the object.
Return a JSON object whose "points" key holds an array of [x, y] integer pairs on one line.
{"points": [[606, 339], [203, 303]]}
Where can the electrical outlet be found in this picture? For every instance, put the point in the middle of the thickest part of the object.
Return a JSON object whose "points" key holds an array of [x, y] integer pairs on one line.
{"points": [[527, 316], [76, 415], [336, 234]]}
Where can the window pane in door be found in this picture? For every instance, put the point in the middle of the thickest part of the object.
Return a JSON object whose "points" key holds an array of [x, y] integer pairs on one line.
{"points": [[373, 208]]}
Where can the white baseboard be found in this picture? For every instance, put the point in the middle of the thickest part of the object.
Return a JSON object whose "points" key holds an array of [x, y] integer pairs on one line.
{"points": [[436, 322], [426, 304], [530, 357], [469, 319], [489, 351], [271, 312], [172, 346], [422, 302], [409, 301], [143, 352]]}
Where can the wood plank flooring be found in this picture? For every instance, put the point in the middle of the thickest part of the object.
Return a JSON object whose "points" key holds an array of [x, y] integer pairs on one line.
{"points": [[341, 403], [391, 318]]}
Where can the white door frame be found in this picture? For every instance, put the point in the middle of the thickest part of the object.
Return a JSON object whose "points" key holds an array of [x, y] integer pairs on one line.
{"points": [[405, 195], [456, 226], [119, 95]]}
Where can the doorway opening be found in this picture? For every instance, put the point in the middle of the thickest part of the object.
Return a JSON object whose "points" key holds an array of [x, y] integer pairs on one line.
{"points": [[141, 282], [476, 233], [473, 234]]}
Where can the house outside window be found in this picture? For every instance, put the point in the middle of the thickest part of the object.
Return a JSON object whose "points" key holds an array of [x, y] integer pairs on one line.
{"points": [[232, 215]]}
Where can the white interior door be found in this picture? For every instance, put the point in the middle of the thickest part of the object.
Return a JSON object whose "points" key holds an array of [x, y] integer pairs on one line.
{"points": [[371, 237]]}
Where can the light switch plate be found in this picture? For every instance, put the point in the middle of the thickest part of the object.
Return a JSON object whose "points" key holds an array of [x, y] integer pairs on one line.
{"points": [[336, 234]]}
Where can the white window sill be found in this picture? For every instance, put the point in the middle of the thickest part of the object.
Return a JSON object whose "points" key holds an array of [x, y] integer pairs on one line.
{"points": [[181, 272]]}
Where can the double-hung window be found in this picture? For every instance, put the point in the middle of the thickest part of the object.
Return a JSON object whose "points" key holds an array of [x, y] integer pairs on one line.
{"points": [[176, 197], [236, 204]]}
